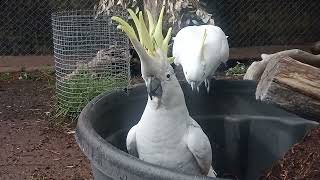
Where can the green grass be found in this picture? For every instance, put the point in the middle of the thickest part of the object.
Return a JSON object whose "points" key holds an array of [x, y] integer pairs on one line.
{"points": [[75, 92], [239, 69], [5, 76]]}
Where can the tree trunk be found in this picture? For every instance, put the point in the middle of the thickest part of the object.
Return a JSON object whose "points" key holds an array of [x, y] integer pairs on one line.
{"points": [[154, 6], [315, 49], [256, 69], [292, 85]]}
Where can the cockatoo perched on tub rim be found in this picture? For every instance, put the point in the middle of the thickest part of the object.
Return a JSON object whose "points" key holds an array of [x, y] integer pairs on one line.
{"points": [[200, 50], [166, 135]]}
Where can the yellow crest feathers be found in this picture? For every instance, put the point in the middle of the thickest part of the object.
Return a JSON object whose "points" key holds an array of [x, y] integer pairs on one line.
{"points": [[150, 38], [203, 42]]}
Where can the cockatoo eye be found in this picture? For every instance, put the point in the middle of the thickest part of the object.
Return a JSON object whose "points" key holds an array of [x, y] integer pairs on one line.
{"points": [[168, 76]]}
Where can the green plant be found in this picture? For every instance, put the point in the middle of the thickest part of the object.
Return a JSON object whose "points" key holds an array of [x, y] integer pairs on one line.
{"points": [[5, 76], [239, 69], [77, 90], [48, 75], [25, 76]]}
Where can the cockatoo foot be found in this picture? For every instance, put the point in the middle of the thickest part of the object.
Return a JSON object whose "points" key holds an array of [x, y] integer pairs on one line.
{"points": [[192, 84], [207, 84], [212, 173]]}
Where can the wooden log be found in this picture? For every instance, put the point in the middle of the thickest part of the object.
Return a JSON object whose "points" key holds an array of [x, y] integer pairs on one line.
{"points": [[292, 85], [256, 69], [315, 49]]}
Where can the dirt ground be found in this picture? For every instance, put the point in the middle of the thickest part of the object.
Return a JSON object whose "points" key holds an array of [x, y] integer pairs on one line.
{"points": [[32, 147], [301, 162]]}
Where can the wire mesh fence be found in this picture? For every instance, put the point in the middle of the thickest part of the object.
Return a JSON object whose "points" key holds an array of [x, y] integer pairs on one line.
{"points": [[268, 22], [91, 57], [26, 25]]}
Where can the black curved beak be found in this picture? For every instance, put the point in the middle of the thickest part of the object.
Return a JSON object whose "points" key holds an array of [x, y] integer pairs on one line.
{"points": [[154, 87]]}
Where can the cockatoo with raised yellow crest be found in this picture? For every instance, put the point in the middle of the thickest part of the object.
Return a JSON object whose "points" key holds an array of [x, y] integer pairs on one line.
{"points": [[200, 50], [166, 135]]}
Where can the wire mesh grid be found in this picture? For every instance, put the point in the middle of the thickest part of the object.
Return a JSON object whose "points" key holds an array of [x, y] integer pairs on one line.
{"points": [[91, 57], [268, 22], [25, 26]]}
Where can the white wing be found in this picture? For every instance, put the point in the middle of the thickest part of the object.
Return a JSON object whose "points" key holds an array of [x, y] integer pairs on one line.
{"points": [[185, 43], [199, 145], [224, 50], [216, 48], [176, 48], [131, 142]]}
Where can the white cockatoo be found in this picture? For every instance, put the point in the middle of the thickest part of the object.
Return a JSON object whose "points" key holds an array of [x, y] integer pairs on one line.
{"points": [[200, 50], [166, 135]]}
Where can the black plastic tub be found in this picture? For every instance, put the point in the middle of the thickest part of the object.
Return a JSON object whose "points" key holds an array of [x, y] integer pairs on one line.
{"points": [[246, 136]]}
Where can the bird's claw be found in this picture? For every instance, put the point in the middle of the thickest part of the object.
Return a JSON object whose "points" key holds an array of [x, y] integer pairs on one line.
{"points": [[207, 84], [192, 85]]}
